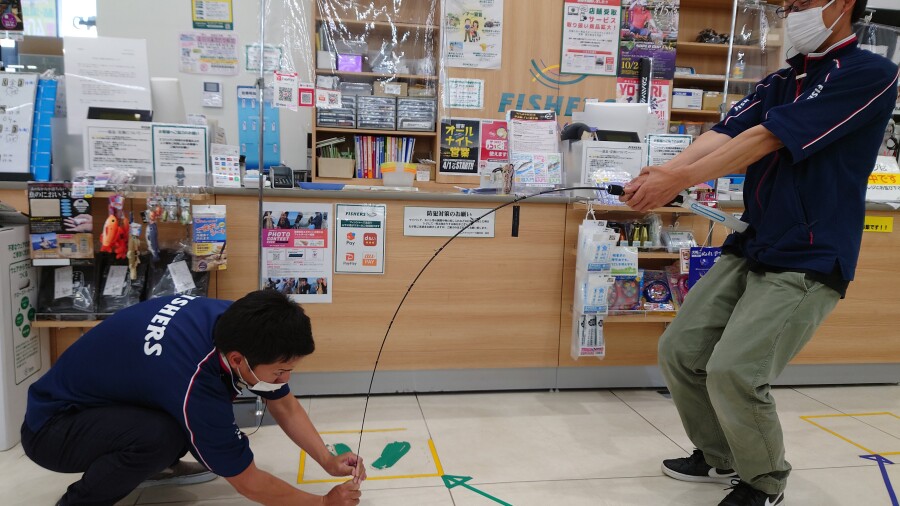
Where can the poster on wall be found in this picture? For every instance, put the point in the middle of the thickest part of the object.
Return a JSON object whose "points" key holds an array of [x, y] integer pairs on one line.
{"points": [[359, 238], [40, 17], [660, 91], [271, 55], [11, 19], [60, 222], [209, 53], [212, 14], [248, 128], [464, 94], [180, 155], [460, 146], [104, 72], [494, 152], [473, 33], [590, 43], [297, 251], [648, 30]]}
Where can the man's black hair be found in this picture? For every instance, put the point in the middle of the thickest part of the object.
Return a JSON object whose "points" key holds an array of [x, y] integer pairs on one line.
{"points": [[859, 10], [265, 327]]}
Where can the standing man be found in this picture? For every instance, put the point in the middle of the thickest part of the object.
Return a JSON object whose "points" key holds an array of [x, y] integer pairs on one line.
{"points": [[808, 137], [154, 381]]}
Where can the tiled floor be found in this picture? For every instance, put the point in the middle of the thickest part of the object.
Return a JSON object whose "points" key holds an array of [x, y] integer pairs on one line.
{"points": [[540, 448]]}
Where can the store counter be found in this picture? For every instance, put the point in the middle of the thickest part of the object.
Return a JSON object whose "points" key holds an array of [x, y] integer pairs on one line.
{"points": [[495, 313]]}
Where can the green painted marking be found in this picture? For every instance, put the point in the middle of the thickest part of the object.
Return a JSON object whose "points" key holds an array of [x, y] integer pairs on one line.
{"points": [[339, 449], [19, 320], [31, 314], [26, 330], [451, 481], [391, 454], [24, 303]]}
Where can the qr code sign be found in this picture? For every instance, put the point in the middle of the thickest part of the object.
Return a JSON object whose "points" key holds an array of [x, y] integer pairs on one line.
{"points": [[306, 98], [285, 94]]}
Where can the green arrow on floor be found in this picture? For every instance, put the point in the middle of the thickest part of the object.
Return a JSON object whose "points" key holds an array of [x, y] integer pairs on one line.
{"points": [[451, 482]]}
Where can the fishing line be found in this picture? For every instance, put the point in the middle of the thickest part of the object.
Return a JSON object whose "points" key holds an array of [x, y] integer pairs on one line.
{"points": [[611, 189]]}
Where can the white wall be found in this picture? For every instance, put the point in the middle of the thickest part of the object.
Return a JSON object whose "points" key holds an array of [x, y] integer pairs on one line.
{"points": [[161, 22]]}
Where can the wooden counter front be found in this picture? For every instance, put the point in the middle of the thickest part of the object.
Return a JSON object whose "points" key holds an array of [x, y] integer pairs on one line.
{"points": [[505, 302]]}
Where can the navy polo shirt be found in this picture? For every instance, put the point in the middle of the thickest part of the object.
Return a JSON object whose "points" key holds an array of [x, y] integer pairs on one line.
{"points": [[805, 203], [157, 354]]}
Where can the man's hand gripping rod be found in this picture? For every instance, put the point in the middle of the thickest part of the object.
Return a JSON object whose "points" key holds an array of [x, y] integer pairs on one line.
{"points": [[686, 201]]}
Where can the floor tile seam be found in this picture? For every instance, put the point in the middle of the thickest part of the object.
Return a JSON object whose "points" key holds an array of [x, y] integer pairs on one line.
{"points": [[860, 419], [646, 420]]}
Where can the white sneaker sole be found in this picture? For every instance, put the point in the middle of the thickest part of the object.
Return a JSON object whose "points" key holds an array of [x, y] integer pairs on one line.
{"points": [[724, 480], [191, 479]]}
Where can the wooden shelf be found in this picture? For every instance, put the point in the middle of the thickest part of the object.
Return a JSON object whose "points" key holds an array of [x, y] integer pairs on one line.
{"points": [[658, 255], [329, 72], [626, 209], [639, 318], [423, 186], [697, 78], [382, 25], [702, 48], [376, 132], [713, 4], [702, 113], [61, 324], [716, 49]]}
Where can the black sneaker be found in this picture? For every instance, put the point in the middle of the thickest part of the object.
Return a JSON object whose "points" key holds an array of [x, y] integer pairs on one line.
{"points": [[742, 494], [695, 468]]}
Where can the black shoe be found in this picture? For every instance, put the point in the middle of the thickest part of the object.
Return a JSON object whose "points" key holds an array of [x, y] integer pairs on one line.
{"points": [[742, 494], [695, 468], [181, 473]]}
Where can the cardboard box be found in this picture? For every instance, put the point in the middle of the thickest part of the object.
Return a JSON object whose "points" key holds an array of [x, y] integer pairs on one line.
{"points": [[390, 89], [684, 98], [425, 171], [335, 167], [712, 100], [732, 99], [349, 63]]}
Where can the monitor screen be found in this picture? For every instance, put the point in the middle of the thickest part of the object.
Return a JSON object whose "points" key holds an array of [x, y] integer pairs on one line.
{"points": [[617, 117]]}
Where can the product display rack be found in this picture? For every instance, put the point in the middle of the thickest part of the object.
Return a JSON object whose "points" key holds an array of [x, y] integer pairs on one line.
{"points": [[415, 28]]}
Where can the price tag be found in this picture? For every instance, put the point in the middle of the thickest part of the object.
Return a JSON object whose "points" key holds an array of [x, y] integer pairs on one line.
{"points": [[62, 283], [115, 281], [181, 276]]}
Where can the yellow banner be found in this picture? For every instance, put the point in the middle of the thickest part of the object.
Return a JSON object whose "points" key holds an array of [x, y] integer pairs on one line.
{"points": [[884, 179], [879, 224]]}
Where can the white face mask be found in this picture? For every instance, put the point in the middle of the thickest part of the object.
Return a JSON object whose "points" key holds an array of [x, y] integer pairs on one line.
{"points": [[807, 29], [260, 386]]}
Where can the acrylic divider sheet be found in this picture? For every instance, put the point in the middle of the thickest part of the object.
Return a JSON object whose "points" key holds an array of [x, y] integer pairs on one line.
{"points": [[17, 93], [297, 250]]}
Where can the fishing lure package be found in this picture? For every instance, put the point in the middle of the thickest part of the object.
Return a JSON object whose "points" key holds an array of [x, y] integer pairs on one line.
{"points": [[656, 294], [172, 276], [117, 289], [68, 293]]}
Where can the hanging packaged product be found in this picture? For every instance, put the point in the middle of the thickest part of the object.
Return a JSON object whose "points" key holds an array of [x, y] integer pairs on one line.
{"points": [[67, 293], [209, 238], [172, 276], [119, 288], [656, 294], [593, 284]]}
